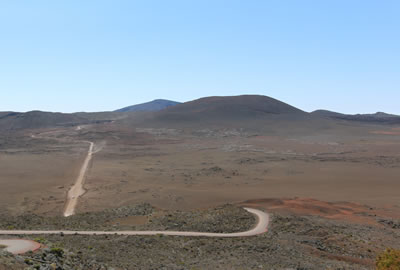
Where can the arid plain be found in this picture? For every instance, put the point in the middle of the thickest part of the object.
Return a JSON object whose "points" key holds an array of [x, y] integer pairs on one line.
{"points": [[186, 170], [336, 177]]}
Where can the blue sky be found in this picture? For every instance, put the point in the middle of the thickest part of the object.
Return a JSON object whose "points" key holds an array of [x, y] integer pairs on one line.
{"points": [[94, 55]]}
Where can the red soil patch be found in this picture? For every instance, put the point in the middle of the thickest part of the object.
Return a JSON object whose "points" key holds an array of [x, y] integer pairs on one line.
{"points": [[393, 131], [347, 211]]}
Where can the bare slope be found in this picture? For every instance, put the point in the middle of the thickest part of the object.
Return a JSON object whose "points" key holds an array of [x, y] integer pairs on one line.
{"points": [[155, 105]]}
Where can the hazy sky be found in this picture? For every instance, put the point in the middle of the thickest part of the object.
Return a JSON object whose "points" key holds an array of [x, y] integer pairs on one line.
{"points": [[82, 55]]}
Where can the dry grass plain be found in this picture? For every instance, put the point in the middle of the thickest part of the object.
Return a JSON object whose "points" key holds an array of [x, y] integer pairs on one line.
{"points": [[35, 174], [192, 169]]}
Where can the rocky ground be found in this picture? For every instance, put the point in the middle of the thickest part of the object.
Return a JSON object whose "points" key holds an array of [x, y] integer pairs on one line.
{"points": [[53, 258], [293, 242]]}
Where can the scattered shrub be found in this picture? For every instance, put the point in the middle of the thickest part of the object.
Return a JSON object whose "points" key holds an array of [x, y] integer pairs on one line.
{"points": [[40, 240], [59, 252], [388, 260], [28, 261]]}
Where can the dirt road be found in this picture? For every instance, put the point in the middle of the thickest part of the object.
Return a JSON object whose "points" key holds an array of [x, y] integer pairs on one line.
{"points": [[77, 189]]}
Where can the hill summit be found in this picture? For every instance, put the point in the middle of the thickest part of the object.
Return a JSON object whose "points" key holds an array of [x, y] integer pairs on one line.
{"points": [[152, 106], [235, 105], [245, 105], [225, 111]]}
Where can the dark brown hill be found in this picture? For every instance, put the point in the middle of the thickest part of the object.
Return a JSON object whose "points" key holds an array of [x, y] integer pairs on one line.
{"points": [[227, 109], [234, 105], [253, 112]]}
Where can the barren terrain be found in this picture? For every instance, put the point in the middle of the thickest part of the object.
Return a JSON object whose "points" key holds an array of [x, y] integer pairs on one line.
{"points": [[188, 170], [180, 169], [331, 187]]}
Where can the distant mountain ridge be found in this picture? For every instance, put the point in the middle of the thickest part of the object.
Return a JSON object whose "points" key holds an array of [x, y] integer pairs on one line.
{"points": [[379, 117], [37, 119], [152, 106], [251, 111]]}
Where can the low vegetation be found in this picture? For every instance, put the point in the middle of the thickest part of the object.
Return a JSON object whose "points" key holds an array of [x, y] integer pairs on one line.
{"points": [[224, 219], [59, 252], [388, 260]]}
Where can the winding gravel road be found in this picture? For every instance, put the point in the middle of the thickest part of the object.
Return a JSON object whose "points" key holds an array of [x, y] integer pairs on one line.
{"points": [[261, 227], [18, 246]]}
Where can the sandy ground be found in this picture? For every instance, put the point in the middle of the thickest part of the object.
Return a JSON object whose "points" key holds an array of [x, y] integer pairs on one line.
{"points": [[37, 182]]}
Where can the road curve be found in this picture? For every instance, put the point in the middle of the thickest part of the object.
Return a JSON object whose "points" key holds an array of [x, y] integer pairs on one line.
{"points": [[77, 189], [261, 227], [19, 246]]}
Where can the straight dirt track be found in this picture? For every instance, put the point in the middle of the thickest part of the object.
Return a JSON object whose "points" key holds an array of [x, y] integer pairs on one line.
{"points": [[77, 189]]}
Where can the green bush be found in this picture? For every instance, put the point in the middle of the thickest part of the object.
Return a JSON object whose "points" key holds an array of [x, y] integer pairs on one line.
{"points": [[28, 261], [59, 252], [40, 240], [388, 260]]}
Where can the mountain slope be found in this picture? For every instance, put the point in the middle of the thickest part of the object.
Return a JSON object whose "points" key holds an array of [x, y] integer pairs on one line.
{"points": [[155, 105], [326, 113]]}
